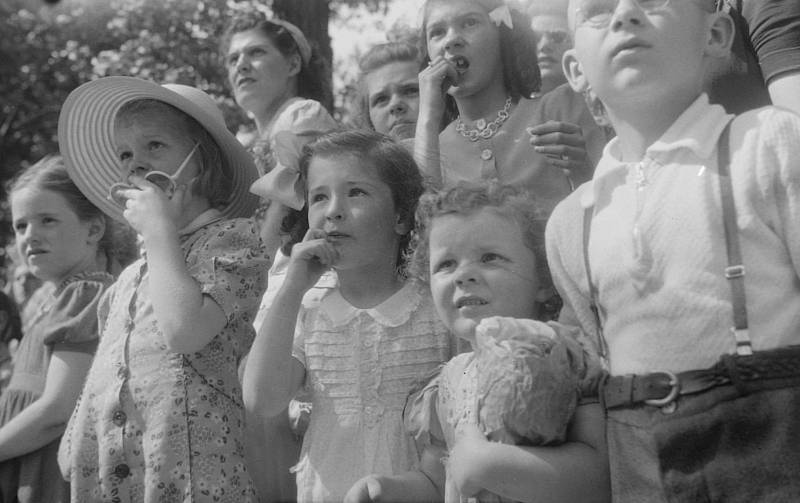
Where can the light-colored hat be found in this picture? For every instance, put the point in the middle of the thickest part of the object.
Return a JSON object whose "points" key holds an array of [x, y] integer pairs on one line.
{"points": [[85, 138]]}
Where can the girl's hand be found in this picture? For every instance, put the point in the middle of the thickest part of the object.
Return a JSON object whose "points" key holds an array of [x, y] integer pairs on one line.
{"points": [[365, 490], [563, 145], [310, 259], [434, 81], [464, 456], [149, 210]]}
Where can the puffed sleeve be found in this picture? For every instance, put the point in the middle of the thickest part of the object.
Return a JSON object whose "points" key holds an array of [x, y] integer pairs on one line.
{"points": [[71, 323], [305, 118], [420, 414], [231, 266]]}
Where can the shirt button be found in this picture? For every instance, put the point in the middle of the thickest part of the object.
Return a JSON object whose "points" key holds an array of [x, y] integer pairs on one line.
{"points": [[486, 154], [122, 471], [119, 418]]}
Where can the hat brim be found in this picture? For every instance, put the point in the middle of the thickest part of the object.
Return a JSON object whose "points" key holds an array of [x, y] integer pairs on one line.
{"points": [[85, 138]]}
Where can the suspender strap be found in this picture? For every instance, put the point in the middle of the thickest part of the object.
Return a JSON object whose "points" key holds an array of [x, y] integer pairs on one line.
{"points": [[735, 270], [593, 305]]}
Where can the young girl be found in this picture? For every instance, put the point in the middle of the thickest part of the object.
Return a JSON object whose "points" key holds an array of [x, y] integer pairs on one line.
{"points": [[358, 348], [483, 248], [70, 245], [482, 59], [161, 415]]}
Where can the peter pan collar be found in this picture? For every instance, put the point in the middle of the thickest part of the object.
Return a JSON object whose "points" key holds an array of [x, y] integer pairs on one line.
{"points": [[393, 312]]}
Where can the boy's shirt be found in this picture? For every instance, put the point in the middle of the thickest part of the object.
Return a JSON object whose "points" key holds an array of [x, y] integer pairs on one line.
{"points": [[657, 247]]}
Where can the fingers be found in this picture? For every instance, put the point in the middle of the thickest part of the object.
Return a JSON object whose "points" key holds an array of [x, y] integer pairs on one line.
{"points": [[562, 152], [555, 133], [315, 246]]}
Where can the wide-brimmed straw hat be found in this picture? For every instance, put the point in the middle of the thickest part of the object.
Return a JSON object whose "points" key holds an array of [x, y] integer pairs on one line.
{"points": [[85, 138]]}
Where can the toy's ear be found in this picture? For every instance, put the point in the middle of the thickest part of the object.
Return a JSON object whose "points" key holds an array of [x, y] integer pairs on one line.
{"points": [[574, 72], [721, 31]]}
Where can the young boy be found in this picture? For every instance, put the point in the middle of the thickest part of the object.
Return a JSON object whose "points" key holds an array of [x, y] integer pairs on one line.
{"points": [[692, 416]]}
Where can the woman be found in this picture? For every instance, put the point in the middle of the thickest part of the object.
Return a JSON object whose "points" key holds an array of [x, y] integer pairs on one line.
{"points": [[388, 90], [278, 78]]}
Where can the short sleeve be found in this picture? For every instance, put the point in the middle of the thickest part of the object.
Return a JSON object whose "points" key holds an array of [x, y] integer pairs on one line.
{"points": [[72, 320], [300, 330], [231, 266], [421, 416]]}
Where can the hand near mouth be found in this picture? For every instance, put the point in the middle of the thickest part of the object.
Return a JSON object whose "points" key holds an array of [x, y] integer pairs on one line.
{"points": [[310, 259]]}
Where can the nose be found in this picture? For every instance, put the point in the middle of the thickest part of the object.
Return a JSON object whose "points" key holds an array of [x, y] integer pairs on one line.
{"points": [[397, 105], [466, 273], [136, 165], [453, 39], [627, 12], [31, 234], [334, 210], [242, 63]]}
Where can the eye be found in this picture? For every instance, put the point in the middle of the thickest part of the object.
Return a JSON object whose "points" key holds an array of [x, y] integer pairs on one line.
{"points": [[357, 191], [379, 100], [435, 32], [445, 265], [49, 220], [411, 91], [256, 52], [471, 21], [155, 145], [233, 58], [19, 227], [315, 198], [490, 257], [124, 156]]}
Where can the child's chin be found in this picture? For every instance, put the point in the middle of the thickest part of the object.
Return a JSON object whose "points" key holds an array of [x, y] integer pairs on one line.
{"points": [[464, 328]]}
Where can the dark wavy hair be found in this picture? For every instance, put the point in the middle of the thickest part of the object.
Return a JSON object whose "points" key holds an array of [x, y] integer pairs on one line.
{"points": [[517, 51], [392, 161], [312, 81], [467, 198], [49, 173], [377, 57]]}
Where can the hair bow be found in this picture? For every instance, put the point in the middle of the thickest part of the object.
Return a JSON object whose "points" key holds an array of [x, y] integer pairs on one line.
{"points": [[502, 15], [283, 183]]}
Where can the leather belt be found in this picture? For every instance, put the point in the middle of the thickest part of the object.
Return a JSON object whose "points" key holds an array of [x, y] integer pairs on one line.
{"points": [[662, 388]]}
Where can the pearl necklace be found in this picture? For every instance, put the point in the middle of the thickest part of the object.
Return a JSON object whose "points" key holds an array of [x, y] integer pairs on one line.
{"points": [[482, 128]]}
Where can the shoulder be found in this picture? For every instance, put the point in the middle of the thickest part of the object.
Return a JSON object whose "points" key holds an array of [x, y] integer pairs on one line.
{"points": [[73, 313], [567, 217], [305, 116], [237, 232], [84, 287]]}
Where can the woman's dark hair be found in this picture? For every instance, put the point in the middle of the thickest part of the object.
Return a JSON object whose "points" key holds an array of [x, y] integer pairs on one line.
{"points": [[49, 173], [215, 181], [377, 57], [312, 81], [393, 163], [517, 50]]}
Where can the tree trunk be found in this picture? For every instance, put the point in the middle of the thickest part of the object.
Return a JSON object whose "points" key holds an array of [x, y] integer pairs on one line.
{"points": [[311, 16]]}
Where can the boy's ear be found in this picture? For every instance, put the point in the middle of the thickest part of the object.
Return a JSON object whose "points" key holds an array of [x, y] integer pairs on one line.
{"points": [[721, 31], [401, 227], [545, 293], [574, 72]]}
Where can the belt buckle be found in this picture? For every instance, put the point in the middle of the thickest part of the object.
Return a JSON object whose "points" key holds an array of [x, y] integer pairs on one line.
{"points": [[675, 384]]}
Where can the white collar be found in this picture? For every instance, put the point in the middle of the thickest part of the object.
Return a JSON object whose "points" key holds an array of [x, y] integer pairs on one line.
{"points": [[392, 312]]}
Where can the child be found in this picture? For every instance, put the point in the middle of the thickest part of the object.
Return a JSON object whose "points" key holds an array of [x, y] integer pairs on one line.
{"points": [[483, 248], [482, 59], [358, 348], [653, 263], [69, 244], [161, 414]]}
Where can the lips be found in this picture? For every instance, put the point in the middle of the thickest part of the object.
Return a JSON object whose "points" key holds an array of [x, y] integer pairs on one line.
{"points": [[629, 45], [336, 235], [470, 301], [36, 252], [460, 62], [244, 81]]}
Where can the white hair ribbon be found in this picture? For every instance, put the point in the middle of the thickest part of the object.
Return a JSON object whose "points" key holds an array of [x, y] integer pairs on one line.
{"points": [[502, 15]]}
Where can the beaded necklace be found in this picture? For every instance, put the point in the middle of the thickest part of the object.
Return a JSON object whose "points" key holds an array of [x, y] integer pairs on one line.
{"points": [[483, 129]]}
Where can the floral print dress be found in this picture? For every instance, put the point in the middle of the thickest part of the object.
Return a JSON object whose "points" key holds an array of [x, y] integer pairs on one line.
{"points": [[158, 426]]}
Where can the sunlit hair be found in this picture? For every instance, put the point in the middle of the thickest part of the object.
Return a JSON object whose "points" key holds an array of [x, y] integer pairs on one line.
{"points": [[517, 49], [392, 161], [215, 181], [50, 173], [467, 199], [312, 81], [375, 58]]}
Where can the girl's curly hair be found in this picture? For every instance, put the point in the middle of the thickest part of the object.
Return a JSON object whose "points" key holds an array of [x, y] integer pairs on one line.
{"points": [[468, 198]]}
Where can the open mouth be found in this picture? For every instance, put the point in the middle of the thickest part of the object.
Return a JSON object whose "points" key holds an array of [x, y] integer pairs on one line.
{"points": [[244, 81], [461, 63], [470, 301]]}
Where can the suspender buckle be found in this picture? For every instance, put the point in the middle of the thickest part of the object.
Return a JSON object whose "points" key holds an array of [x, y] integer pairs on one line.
{"points": [[734, 271], [742, 337]]}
